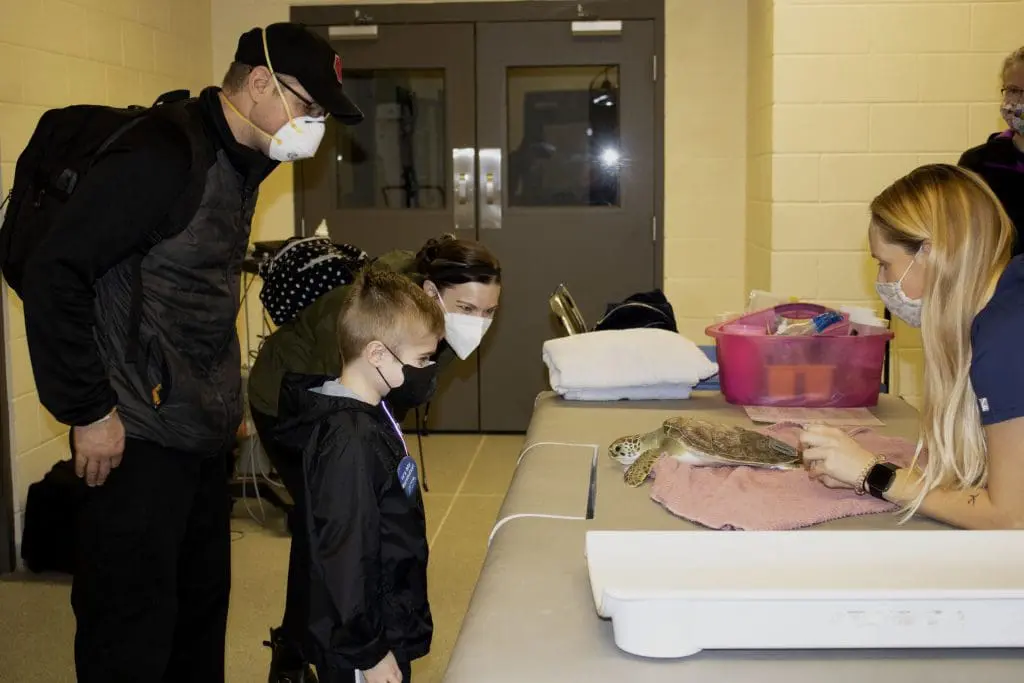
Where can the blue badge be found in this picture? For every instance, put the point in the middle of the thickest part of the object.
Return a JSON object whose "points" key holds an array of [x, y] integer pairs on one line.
{"points": [[408, 476]]}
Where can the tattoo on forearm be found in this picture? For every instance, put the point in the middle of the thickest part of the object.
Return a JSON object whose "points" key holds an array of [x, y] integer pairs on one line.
{"points": [[973, 497]]}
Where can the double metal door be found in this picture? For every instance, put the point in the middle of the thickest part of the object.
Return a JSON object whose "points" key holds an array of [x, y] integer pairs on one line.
{"points": [[535, 138]]}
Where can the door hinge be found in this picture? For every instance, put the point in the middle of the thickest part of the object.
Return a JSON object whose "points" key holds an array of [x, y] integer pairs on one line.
{"points": [[654, 67], [654, 228]]}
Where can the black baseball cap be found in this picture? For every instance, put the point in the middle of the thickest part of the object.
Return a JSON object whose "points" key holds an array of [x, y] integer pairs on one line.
{"points": [[298, 52]]}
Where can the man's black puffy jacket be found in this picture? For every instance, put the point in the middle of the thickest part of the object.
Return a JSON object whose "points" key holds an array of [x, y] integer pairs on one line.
{"points": [[367, 536]]}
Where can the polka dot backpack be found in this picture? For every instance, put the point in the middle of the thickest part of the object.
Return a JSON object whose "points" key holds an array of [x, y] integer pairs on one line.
{"points": [[304, 269]]}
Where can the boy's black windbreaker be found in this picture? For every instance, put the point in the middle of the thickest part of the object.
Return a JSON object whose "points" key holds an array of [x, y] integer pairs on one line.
{"points": [[368, 538]]}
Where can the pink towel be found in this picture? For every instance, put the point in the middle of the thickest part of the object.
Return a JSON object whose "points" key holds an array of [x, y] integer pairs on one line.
{"points": [[751, 499]]}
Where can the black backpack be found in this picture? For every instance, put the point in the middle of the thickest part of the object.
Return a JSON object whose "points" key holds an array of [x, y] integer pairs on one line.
{"points": [[63, 148], [52, 508], [645, 309], [303, 270]]}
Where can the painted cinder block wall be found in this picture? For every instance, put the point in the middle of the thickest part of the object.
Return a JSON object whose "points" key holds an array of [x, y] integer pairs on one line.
{"points": [[862, 92]]}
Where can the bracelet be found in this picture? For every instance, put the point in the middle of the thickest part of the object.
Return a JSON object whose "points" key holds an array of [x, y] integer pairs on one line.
{"points": [[859, 489], [104, 418]]}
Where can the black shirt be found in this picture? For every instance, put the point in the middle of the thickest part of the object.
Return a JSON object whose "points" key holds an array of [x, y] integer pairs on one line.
{"points": [[1001, 164], [125, 196]]}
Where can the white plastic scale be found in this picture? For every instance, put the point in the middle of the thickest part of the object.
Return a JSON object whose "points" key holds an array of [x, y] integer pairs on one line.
{"points": [[673, 594]]}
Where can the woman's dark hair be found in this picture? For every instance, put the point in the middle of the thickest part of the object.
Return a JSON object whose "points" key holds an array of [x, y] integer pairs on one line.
{"points": [[448, 262]]}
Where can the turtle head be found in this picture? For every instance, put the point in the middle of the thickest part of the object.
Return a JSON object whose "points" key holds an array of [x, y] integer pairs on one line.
{"points": [[626, 450]]}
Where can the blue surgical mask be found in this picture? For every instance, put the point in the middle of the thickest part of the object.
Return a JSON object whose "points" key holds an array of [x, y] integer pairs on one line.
{"points": [[899, 304]]}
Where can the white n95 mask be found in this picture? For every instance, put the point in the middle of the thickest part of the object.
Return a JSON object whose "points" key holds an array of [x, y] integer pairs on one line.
{"points": [[298, 139], [464, 332], [301, 136]]}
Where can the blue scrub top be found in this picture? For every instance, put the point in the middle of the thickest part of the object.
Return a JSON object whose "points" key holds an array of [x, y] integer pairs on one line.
{"points": [[997, 366]]}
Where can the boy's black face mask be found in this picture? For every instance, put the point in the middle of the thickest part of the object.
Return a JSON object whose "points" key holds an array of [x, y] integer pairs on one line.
{"points": [[418, 386]]}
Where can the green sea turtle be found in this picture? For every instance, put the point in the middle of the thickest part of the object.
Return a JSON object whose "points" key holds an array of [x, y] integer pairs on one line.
{"points": [[697, 442]]}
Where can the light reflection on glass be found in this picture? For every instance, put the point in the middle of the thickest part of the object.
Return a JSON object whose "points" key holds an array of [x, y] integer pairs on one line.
{"points": [[563, 136]]}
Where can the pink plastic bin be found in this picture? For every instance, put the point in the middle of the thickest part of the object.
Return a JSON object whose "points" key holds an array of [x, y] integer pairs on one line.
{"points": [[833, 370]]}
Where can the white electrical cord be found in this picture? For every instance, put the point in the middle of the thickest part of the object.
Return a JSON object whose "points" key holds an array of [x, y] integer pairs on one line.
{"points": [[537, 515], [255, 485], [526, 450]]}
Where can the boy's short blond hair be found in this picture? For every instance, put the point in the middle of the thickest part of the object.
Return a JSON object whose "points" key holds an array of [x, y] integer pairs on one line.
{"points": [[384, 306]]}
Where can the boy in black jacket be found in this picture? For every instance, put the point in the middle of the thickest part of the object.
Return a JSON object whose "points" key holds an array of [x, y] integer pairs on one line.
{"points": [[368, 599]]}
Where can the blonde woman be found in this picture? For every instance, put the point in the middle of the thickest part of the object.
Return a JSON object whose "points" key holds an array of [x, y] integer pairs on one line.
{"points": [[943, 241], [1000, 160]]}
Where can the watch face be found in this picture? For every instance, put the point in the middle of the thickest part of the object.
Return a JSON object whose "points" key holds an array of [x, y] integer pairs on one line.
{"points": [[880, 477]]}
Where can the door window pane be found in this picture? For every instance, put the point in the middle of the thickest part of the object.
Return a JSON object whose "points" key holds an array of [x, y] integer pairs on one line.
{"points": [[395, 158], [563, 136]]}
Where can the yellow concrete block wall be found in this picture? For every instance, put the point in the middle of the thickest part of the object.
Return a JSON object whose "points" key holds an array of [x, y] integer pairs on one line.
{"points": [[862, 93], [760, 21], [705, 159], [55, 53], [705, 150]]}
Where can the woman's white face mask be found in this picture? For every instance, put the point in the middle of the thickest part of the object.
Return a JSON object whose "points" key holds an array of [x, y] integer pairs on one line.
{"points": [[464, 333], [896, 300]]}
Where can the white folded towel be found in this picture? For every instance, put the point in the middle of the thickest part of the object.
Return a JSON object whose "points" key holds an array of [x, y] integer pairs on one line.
{"points": [[625, 361], [657, 392]]}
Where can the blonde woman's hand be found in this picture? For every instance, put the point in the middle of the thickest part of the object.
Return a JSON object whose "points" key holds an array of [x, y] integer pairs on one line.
{"points": [[833, 458]]}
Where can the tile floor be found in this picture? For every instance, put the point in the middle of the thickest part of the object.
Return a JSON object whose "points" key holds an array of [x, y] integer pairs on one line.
{"points": [[468, 476]]}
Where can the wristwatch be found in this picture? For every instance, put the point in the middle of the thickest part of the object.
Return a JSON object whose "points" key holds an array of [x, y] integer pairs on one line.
{"points": [[880, 479]]}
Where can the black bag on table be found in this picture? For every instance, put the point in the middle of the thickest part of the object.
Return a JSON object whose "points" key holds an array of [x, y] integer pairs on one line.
{"points": [[645, 309]]}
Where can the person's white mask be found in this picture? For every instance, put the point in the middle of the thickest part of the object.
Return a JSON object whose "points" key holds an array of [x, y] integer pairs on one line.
{"points": [[301, 136], [899, 304], [464, 332], [298, 139]]}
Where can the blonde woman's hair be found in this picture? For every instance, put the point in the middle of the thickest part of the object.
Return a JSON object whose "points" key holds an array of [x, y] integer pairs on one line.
{"points": [[1014, 58], [970, 238]]}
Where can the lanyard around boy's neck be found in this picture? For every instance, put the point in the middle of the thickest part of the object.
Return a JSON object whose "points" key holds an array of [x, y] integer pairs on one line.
{"points": [[394, 423]]}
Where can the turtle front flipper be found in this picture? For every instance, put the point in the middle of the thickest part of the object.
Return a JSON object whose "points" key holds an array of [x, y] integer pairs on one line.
{"points": [[637, 473]]}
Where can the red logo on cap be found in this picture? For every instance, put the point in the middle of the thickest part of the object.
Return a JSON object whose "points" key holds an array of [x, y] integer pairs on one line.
{"points": [[337, 67]]}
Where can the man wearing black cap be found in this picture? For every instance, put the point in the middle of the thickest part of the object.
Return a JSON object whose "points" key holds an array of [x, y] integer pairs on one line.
{"points": [[304, 76], [153, 415]]}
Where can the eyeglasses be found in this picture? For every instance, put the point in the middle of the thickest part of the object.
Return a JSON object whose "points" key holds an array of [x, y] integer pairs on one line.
{"points": [[312, 108], [1012, 92]]}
